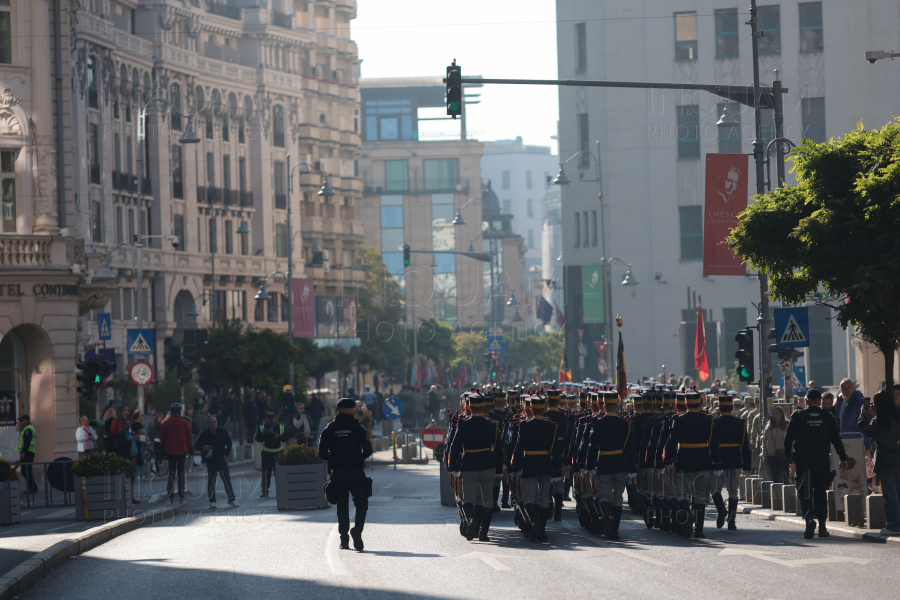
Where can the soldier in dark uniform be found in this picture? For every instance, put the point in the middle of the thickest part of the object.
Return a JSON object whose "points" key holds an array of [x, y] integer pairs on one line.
{"points": [[665, 492], [473, 456], [693, 450], [538, 460], [498, 415], [588, 516], [344, 444], [807, 441], [637, 487], [517, 417], [555, 415], [731, 432], [455, 419], [610, 461], [653, 402]]}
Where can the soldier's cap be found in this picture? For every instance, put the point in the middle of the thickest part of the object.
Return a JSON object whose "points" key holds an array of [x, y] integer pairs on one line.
{"points": [[536, 401], [813, 395], [511, 394], [553, 394], [610, 399], [476, 400], [692, 398], [499, 398], [637, 400], [669, 396], [342, 403], [726, 400]]}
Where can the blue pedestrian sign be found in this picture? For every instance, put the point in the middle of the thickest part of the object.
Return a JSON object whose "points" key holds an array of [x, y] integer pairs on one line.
{"points": [[799, 379], [104, 326], [392, 408], [792, 327], [139, 341]]}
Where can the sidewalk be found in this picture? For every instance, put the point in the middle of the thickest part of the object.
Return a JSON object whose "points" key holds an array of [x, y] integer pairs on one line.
{"points": [[834, 527]]}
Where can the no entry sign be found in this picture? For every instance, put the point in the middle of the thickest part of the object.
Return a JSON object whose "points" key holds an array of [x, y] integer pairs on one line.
{"points": [[432, 436]]}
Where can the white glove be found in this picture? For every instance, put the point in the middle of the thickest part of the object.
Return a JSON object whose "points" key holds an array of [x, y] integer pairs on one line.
{"points": [[660, 472], [718, 472], [593, 471], [454, 473], [670, 467], [631, 476], [555, 479], [500, 476], [518, 473]]}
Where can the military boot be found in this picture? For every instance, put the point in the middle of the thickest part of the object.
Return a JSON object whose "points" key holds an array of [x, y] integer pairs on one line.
{"points": [[732, 512], [475, 523], [720, 507], [534, 520], [686, 518], [468, 514], [486, 517], [557, 507], [496, 507], [699, 510]]}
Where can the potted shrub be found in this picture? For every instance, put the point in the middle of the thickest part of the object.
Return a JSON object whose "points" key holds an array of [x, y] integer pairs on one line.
{"points": [[104, 491], [300, 478], [10, 514]]}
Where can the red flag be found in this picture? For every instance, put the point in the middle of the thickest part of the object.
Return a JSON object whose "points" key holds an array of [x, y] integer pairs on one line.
{"points": [[565, 374], [700, 362], [621, 375]]}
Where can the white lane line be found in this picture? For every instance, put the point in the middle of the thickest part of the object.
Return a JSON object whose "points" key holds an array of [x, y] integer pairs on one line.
{"points": [[622, 551], [60, 527], [333, 554]]}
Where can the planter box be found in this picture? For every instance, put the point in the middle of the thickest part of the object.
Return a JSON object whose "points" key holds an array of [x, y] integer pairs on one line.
{"points": [[108, 497], [300, 486], [10, 513], [448, 498]]}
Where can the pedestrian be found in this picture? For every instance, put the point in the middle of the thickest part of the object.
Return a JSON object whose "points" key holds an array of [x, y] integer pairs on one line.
{"points": [[301, 427], [140, 437], [847, 406], [27, 447], [271, 435], [345, 445], [434, 404], [806, 443], [116, 425], [315, 410], [363, 415], [773, 450], [370, 399], [127, 448], [214, 443], [85, 437], [881, 423], [175, 439], [108, 418], [201, 418], [828, 402]]}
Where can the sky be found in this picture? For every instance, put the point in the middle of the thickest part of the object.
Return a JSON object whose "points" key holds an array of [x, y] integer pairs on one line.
{"points": [[491, 38]]}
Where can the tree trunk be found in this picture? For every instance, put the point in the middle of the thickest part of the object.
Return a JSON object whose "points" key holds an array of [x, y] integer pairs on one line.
{"points": [[889, 368]]}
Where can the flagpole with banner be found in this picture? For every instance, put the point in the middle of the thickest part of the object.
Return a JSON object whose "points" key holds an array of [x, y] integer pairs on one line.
{"points": [[621, 377], [565, 373], [700, 362]]}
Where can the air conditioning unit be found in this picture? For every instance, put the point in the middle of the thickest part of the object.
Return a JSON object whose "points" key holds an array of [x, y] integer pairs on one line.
{"points": [[326, 256], [326, 267], [337, 76], [316, 71]]}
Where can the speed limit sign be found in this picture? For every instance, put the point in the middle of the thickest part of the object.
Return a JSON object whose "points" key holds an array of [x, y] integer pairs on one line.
{"points": [[141, 373]]}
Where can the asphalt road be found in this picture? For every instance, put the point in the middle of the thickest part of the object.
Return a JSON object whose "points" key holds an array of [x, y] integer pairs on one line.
{"points": [[414, 550]]}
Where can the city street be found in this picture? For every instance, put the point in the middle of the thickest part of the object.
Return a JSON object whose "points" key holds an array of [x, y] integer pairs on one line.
{"points": [[414, 550]]}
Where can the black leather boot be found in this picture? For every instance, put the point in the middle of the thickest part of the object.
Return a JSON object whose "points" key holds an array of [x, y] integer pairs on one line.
{"points": [[496, 498], [486, 517], [557, 507], [732, 512], [475, 523], [468, 510], [534, 521], [720, 507], [699, 510], [684, 518]]}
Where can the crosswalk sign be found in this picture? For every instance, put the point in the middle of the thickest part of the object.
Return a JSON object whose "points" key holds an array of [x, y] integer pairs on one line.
{"points": [[139, 341], [792, 327], [104, 326]]}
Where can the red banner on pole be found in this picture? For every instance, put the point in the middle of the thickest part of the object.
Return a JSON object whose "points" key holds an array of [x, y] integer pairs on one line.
{"points": [[304, 309], [726, 198]]}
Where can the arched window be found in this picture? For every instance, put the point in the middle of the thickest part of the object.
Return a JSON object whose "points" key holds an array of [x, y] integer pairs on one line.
{"points": [[175, 101], [93, 83], [278, 126]]}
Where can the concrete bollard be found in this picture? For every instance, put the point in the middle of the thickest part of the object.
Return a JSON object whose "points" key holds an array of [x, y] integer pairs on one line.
{"points": [[777, 496], [832, 506], [766, 495], [756, 491], [875, 518], [789, 498], [855, 510], [747, 489]]}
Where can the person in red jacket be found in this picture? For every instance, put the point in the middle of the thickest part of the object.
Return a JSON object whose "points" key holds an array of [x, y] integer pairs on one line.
{"points": [[175, 438]]}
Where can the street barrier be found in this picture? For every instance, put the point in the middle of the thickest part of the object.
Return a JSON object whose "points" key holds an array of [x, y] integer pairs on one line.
{"points": [[56, 487]]}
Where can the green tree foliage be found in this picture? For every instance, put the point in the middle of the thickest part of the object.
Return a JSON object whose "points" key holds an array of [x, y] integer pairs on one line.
{"points": [[539, 354], [380, 310], [471, 348], [435, 341], [836, 229]]}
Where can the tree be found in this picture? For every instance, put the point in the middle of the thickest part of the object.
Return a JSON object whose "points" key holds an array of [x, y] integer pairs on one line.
{"points": [[380, 309], [538, 353], [435, 341], [471, 348], [837, 230]]}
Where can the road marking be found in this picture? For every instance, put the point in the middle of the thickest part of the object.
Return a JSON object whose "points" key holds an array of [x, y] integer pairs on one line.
{"points": [[795, 563], [491, 559], [60, 527], [333, 554], [622, 551]]}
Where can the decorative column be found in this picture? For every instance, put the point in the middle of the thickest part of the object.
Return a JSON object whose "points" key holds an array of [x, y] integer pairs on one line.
{"points": [[43, 152]]}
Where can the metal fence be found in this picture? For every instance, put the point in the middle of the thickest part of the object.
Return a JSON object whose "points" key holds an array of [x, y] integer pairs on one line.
{"points": [[47, 484]]}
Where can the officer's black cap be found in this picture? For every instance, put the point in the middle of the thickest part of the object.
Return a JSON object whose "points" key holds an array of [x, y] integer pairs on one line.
{"points": [[813, 395], [346, 403], [270, 414], [24, 418]]}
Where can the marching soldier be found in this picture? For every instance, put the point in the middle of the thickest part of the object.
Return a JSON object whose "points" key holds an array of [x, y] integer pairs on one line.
{"points": [[473, 457], [454, 420], [731, 432], [537, 459], [610, 461], [693, 450], [666, 499], [593, 516], [498, 415], [555, 415], [637, 487]]}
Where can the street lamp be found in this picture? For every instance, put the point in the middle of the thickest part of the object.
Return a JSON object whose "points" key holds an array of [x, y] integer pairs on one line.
{"points": [[873, 56]]}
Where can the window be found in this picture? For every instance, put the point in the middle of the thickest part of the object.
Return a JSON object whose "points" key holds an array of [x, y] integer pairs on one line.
{"points": [[94, 152], [530, 208], [441, 173], [811, 39], [280, 196], [769, 22], [179, 231], [242, 174], [93, 83], [210, 169], [507, 207], [175, 100], [226, 172], [245, 244], [396, 175], [120, 225], [177, 172], [691, 225], [281, 240], [213, 236], [391, 217], [730, 137], [443, 237], [581, 40], [5, 33], [392, 233], [117, 152], [131, 225], [229, 238], [527, 180], [584, 217], [688, 131], [686, 36], [584, 133], [594, 228], [388, 120], [96, 223], [577, 229], [505, 180], [813, 113], [531, 238], [278, 126], [8, 186], [726, 33]]}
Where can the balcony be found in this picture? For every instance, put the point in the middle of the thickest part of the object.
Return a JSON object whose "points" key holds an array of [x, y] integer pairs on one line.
{"points": [[26, 251], [95, 174], [246, 198], [124, 182], [209, 195], [282, 20], [221, 8], [146, 188], [416, 186], [231, 197], [348, 213], [178, 189]]}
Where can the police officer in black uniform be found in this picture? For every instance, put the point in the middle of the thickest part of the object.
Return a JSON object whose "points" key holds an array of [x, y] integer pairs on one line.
{"points": [[809, 434], [345, 445]]}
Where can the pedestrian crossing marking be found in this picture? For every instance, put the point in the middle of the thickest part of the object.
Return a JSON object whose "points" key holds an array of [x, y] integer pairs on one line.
{"points": [[792, 333], [495, 345], [140, 344], [104, 329]]}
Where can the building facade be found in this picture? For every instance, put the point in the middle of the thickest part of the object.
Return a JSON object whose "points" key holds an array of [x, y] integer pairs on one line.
{"points": [[652, 146]]}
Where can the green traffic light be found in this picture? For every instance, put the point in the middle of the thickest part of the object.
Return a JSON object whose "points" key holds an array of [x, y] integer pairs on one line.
{"points": [[454, 106], [744, 374], [97, 379]]}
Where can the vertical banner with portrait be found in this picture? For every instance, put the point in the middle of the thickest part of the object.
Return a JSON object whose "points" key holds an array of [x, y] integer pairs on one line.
{"points": [[326, 317], [851, 480], [726, 198], [304, 309], [592, 293]]}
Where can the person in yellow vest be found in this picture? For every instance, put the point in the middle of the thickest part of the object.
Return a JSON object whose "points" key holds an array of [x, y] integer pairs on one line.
{"points": [[271, 435], [26, 448]]}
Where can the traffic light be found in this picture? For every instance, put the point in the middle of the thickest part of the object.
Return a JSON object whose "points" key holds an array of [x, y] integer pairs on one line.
{"points": [[406, 255], [89, 377], [745, 368], [454, 90], [106, 369], [185, 372]]}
